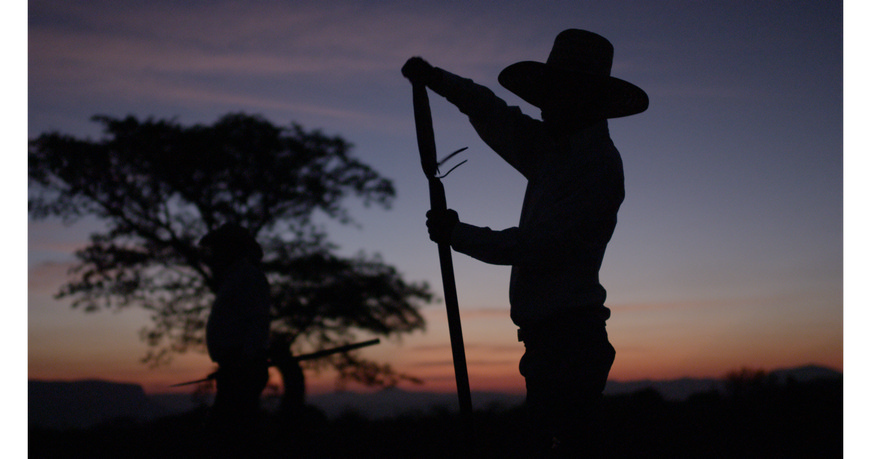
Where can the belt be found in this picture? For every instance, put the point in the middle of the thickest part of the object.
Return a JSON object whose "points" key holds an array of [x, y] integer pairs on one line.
{"points": [[523, 335]]}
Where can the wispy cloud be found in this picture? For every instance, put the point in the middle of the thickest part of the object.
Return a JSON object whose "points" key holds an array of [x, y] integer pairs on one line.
{"points": [[470, 346], [470, 314], [310, 59], [759, 302], [431, 348], [260, 38], [469, 362], [486, 313], [47, 277], [431, 363]]}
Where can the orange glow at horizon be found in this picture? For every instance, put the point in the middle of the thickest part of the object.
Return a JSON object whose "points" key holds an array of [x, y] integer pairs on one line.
{"points": [[644, 351], [499, 376], [653, 341]]}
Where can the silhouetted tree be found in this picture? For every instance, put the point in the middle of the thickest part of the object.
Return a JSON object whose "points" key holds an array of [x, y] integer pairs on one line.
{"points": [[159, 187], [747, 382]]}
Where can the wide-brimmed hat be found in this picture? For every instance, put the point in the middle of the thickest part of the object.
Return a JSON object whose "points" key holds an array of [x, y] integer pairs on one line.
{"points": [[579, 65]]}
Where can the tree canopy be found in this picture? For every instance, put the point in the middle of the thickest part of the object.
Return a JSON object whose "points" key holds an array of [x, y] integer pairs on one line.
{"points": [[159, 187]]}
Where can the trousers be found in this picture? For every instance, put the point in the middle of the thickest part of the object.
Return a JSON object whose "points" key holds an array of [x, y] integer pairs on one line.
{"points": [[233, 424], [566, 365]]}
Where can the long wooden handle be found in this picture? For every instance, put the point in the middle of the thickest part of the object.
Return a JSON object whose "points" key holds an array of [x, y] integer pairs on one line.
{"points": [[426, 145]]}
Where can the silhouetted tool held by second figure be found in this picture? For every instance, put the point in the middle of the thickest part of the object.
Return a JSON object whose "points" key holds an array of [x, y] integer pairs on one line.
{"points": [[298, 358]]}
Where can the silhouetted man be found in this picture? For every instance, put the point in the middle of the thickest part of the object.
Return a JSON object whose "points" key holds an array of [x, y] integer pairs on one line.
{"points": [[237, 334], [574, 189]]}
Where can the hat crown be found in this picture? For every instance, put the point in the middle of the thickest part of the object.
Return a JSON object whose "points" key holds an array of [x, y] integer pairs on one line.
{"points": [[582, 51], [577, 69]]}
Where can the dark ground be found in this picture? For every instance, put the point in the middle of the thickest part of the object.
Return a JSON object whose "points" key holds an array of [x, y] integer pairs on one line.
{"points": [[755, 420]]}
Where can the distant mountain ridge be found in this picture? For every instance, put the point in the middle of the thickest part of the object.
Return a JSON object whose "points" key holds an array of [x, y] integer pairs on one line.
{"points": [[62, 404], [681, 389], [82, 404]]}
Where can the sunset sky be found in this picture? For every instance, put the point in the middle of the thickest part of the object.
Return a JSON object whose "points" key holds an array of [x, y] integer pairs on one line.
{"points": [[728, 251]]}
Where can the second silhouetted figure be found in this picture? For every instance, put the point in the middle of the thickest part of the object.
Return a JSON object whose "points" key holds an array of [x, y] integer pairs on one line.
{"points": [[237, 337]]}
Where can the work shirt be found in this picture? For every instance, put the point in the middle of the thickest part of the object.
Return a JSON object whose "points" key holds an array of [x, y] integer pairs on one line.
{"points": [[238, 326], [574, 189]]}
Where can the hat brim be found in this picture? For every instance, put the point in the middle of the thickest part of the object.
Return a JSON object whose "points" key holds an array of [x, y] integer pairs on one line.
{"points": [[534, 82]]}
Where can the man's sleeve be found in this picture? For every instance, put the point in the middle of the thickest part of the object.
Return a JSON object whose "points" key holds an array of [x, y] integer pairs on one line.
{"points": [[484, 244], [504, 128]]}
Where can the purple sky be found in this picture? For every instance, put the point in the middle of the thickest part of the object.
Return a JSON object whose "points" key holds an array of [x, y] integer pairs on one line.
{"points": [[729, 247]]}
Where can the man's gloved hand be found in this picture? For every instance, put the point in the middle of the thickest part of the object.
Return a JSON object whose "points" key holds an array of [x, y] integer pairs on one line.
{"points": [[441, 225], [418, 71]]}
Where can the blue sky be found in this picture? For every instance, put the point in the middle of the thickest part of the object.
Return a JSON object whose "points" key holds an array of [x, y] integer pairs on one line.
{"points": [[729, 246]]}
